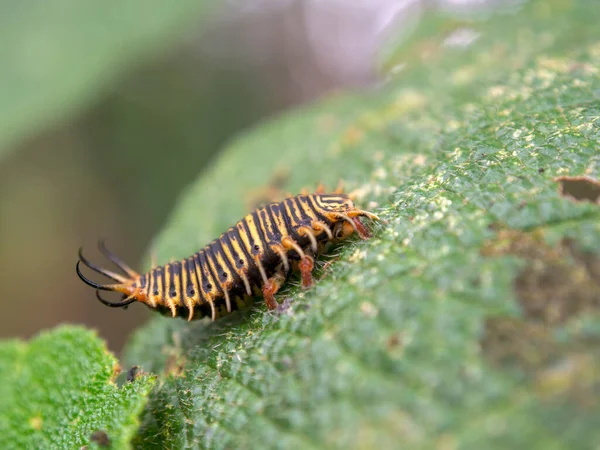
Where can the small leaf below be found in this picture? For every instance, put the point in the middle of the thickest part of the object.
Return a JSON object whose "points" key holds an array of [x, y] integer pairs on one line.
{"points": [[58, 392]]}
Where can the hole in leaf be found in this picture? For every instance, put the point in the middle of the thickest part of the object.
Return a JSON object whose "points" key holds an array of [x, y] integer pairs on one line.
{"points": [[579, 188], [101, 438]]}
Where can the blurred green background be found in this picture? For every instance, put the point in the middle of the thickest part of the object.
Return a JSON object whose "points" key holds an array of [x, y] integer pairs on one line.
{"points": [[108, 112]]}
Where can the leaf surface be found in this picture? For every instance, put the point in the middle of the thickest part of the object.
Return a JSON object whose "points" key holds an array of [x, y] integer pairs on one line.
{"points": [[58, 392], [470, 319]]}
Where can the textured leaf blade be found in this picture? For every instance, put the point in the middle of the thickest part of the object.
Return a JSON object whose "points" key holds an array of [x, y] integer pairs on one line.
{"points": [[58, 389]]}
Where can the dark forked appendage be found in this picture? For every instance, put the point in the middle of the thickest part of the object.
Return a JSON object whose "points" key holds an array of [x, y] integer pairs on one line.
{"points": [[107, 273], [122, 304], [116, 260]]}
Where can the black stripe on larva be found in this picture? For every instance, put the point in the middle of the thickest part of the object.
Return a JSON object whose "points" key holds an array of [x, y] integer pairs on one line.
{"points": [[267, 224], [227, 238], [193, 278], [152, 283], [276, 233], [240, 242], [305, 214], [174, 269], [309, 201], [221, 243], [212, 264], [212, 251], [188, 289], [287, 220], [254, 250], [273, 214], [315, 208], [261, 229], [203, 280], [226, 242], [214, 283], [272, 235], [157, 291], [328, 200], [304, 203], [283, 213], [207, 282], [292, 208], [169, 288], [166, 280], [159, 276], [300, 208], [143, 281], [181, 287]]}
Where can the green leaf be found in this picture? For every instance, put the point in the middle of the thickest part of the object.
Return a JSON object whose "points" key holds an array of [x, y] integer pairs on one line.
{"points": [[58, 390], [470, 319], [58, 56]]}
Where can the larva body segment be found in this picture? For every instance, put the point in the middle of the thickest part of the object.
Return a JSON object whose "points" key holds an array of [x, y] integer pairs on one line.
{"points": [[253, 257]]}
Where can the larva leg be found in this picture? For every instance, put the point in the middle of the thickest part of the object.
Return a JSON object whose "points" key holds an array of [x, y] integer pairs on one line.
{"points": [[290, 244], [306, 262], [319, 226], [306, 266], [310, 234], [283, 255], [270, 289]]}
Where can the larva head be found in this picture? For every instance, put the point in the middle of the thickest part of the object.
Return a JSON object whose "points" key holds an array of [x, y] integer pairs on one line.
{"points": [[345, 217]]}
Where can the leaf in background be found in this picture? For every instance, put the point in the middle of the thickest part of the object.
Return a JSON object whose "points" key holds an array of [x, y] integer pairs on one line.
{"points": [[57, 56], [471, 319], [58, 390]]}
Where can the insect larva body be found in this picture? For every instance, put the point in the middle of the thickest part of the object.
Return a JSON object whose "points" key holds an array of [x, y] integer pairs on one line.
{"points": [[253, 257]]}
